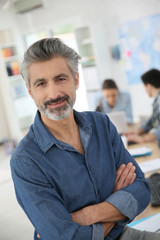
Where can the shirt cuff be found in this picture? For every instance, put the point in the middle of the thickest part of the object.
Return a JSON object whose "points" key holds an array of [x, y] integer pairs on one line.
{"points": [[98, 232], [125, 203]]}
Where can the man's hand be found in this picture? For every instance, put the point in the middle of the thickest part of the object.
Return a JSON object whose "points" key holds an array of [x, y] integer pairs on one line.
{"points": [[125, 176], [135, 138], [107, 227], [139, 138]]}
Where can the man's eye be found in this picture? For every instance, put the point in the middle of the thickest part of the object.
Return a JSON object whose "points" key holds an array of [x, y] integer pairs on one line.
{"points": [[40, 84], [61, 79]]}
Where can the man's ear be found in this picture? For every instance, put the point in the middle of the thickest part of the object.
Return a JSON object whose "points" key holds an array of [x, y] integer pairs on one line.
{"points": [[29, 89], [77, 80], [149, 86]]}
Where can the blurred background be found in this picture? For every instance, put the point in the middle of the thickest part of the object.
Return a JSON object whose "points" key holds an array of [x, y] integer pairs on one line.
{"points": [[116, 39]]}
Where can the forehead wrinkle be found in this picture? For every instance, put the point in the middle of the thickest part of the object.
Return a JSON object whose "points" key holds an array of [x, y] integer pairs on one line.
{"points": [[61, 75]]}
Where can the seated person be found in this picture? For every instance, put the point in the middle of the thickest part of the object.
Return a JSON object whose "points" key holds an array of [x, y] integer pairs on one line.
{"points": [[113, 99], [151, 81]]}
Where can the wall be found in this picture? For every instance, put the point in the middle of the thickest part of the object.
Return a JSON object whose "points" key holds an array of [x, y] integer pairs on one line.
{"points": [[9, 123], [4, 131]]}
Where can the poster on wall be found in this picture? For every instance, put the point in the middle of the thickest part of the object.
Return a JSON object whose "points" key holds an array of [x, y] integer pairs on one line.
{"points": [[140, 47]]}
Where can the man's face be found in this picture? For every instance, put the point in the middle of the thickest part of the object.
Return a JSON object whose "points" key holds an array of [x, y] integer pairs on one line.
{"points": [[111, 96], [53, 87]]}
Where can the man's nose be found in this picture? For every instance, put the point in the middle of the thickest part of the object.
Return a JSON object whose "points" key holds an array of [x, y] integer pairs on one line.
{"points": [[53, 90]]}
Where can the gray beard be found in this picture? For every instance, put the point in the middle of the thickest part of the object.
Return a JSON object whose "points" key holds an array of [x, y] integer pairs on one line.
{"points": [[58, 113]]}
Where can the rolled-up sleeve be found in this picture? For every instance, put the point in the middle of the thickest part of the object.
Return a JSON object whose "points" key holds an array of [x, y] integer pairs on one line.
{"points": [[125, 203]]}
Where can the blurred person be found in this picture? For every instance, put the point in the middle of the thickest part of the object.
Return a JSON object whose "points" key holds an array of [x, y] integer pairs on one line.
{"points": [[73, 176], [114, 100], [151, 82]]}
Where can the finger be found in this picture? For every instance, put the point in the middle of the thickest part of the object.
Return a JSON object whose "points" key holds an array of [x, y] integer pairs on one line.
{"points": [[119, 171], [130, 177], [107, 227], [38, 236], [133, 178], [118, 183], [126, 175]]}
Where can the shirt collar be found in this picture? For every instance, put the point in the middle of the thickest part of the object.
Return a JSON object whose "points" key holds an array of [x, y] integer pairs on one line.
{"points": [[46, 139]]}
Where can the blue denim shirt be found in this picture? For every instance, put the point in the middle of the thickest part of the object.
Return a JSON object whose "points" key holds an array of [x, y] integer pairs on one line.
{"points": [[52, 179], [154, 121], [123, 103]]}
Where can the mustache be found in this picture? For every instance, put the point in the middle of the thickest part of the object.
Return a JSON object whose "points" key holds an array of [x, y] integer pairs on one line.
{"points": [[56, 100]]}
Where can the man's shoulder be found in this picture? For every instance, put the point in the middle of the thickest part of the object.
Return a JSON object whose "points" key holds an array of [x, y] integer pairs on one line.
{"points": [[25, 145], [91, 114], [94, 117]]}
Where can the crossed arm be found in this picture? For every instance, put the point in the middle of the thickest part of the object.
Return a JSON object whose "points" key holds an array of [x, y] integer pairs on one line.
{"points": [[105, 212]]}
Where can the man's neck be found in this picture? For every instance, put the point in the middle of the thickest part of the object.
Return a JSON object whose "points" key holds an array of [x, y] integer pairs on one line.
{"points": [[65, 130], [62, 129]]}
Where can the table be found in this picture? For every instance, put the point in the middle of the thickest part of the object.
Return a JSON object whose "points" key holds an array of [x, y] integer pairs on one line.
{"points": [[155, 154]]}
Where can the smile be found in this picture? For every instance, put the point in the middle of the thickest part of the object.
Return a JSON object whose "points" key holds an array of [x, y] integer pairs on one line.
{"points": [[57, 104]]}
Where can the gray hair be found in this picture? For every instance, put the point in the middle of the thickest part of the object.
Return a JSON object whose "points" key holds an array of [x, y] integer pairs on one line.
{"points": [[46, 49]]}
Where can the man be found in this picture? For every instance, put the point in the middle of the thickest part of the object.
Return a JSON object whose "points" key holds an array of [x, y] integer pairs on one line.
{"points": [[73, 177], [151, 81], [112, 99]]}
